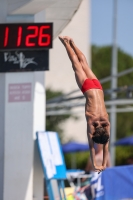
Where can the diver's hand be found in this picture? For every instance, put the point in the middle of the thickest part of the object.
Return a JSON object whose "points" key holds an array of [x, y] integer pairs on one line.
{"points": [[99, 168]]}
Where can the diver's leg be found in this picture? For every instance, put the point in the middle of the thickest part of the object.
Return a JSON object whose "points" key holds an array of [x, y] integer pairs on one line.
{"points": [[80, 75], [83, 61]]}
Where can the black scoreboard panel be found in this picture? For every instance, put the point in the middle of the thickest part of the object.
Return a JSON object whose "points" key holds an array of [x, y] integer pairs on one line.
{"points": [[22, 61]]}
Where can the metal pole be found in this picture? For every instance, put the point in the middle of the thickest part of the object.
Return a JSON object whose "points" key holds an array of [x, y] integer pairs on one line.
{"points": [[73, 161], [113, 117]]}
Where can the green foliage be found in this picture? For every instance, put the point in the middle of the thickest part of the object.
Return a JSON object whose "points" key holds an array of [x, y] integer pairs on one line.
{"points": [[101, 64], [123, 153], [125, 61], [50, 94], [124, 124], [81, 159], [53, 124]]}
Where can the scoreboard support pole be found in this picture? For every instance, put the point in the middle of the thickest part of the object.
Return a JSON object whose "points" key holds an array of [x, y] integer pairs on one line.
{"points": [[22, 107]]}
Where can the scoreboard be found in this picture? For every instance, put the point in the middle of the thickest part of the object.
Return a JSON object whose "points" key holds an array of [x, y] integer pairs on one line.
{"points": [[26, 36], [25, 46]]}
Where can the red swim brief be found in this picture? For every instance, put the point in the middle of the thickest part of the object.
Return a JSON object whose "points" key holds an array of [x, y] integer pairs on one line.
{"points": [[91, 84]]}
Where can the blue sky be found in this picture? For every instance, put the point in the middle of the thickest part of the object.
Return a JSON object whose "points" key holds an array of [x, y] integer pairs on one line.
{"points": [[102, 23]]}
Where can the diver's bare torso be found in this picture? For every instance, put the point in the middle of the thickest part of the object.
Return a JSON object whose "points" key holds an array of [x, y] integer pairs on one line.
{"points": [[95, 110]]}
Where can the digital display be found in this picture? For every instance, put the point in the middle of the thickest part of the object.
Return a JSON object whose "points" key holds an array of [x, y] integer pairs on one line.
{"points": [[26, 36]]}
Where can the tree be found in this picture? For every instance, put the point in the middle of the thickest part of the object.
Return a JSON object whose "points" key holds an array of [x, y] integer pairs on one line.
{"points": [[101, 64]]}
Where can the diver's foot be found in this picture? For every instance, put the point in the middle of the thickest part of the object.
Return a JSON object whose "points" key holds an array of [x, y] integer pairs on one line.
{"points": [[69, 39], [64, 39]]}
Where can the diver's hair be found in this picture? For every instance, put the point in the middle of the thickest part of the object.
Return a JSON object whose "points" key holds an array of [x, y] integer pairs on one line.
{"points": [[100, 136]]}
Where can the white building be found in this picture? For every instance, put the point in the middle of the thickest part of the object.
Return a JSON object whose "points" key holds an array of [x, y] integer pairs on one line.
{"points": [[61, 76]]}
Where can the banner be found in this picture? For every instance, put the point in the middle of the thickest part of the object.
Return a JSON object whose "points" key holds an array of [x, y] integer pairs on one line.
{"points": [[114, 183], [51, 155]]}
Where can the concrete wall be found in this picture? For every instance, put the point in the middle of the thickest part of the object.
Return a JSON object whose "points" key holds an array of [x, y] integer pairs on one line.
{"points": [[2, 131], [21, 174], [18, 142], [61, 76]]}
